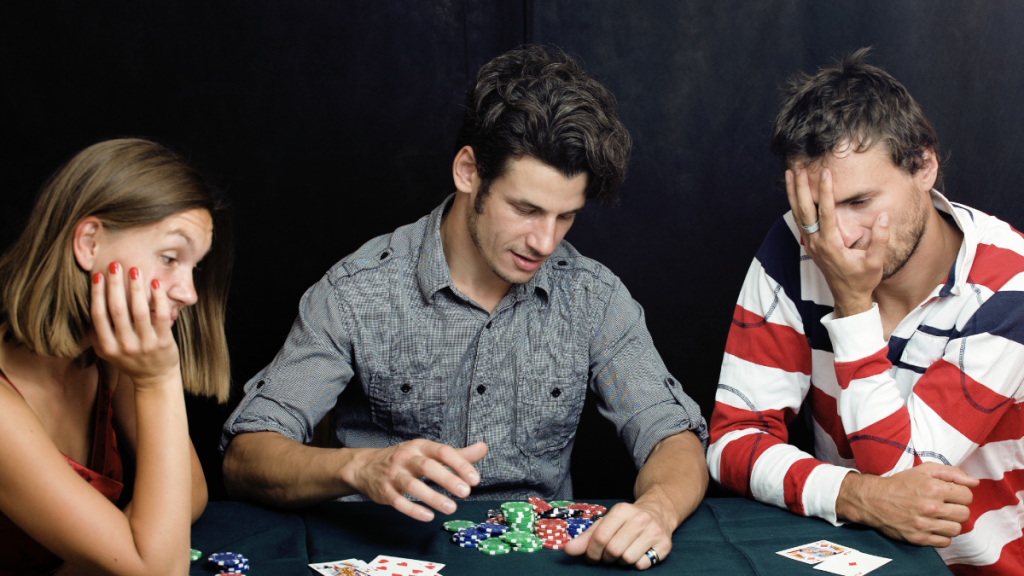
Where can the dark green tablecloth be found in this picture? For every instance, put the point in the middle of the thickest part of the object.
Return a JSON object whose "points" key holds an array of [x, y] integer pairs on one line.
{"points": [[724, 536]]}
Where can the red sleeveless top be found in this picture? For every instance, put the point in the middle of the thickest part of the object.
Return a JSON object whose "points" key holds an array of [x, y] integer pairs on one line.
{"points": [[19, 553]]}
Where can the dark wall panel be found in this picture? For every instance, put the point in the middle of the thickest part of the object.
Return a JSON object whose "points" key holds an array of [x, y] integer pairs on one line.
{"points": [[331, 122]]}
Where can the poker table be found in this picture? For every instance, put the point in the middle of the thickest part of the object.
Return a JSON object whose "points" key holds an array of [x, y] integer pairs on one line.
{"points": [[729, 536]]}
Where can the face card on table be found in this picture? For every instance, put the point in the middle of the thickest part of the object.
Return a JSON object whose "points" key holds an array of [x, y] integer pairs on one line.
{"points": [[351, 567], [814, 552]]}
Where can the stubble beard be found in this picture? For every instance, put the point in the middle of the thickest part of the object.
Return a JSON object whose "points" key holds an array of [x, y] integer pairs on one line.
{"points": [[908, 238], [473, 224]]}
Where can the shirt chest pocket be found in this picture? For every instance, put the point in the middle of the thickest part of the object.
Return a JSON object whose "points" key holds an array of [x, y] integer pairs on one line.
{"points": [[923, 350], [407, 407], [547, 412]]}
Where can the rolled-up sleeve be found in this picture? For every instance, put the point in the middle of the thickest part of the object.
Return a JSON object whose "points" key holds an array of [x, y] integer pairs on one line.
{"points": [[635, 390], [303, 382]]}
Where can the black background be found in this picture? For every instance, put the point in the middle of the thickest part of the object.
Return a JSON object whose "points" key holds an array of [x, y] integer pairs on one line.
{"points": [[330, 122]]}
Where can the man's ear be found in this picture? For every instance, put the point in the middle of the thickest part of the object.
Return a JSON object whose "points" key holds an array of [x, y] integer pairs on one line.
{"points": [[467, 179], [929, 173], [84, 242]]}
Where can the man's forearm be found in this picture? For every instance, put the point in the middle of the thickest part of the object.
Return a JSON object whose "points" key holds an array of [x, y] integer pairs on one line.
{"points": [[674, 478], [268, 467]]}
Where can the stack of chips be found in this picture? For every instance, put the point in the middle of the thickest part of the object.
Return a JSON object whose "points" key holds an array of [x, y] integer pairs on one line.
{"points": [[519, 516], [492, 528], [522, 541], [554, 532], [230, 563], [469, 537], [577, 526], [494, 546], [525, 526], [590, 511]]}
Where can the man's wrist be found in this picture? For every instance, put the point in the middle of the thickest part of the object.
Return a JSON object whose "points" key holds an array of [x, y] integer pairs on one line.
{"points": [[347, 462], [852, 307], [850, 501]]}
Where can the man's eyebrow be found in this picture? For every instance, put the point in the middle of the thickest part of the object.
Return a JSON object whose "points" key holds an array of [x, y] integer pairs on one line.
{"points": [[531, 205], [854, 198]]}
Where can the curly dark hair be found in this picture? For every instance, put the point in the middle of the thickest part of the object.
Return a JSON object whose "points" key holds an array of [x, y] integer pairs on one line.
{"points": [[529, 102], [851, 102]]}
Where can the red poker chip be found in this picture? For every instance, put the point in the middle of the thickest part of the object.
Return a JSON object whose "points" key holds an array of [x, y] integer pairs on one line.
{"points": [[538, 504], [591, 509], [554, 545]]}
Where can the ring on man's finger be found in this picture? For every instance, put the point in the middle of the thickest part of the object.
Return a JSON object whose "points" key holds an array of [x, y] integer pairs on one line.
{"points": [[812, 228], [653, 557]]}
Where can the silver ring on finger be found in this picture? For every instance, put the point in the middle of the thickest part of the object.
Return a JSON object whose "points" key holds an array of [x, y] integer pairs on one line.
{"points": [[653, 557], [812, 228]]}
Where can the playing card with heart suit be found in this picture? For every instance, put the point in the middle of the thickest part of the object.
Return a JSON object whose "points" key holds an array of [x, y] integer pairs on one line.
{"points": [[394, 566]]}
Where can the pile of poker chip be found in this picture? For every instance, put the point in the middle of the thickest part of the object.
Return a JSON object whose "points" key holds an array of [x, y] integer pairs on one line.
{"points": [[526, 526], [229, 563]]}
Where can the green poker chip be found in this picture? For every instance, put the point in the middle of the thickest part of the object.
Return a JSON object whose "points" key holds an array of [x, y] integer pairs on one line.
{"points": [[493, 547], [560, 503], [456, 525], [195, 554]]}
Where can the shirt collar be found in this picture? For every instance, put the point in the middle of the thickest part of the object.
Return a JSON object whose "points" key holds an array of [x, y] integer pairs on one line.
{"points": [[963, 217], [432, 271]]}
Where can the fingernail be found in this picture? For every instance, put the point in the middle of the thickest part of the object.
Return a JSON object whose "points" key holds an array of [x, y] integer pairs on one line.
{"points": [[462, 490], [96, 278], [448, 507], [156, 284], [113, 267], [134, 273], [427, 515], [884, 220], [474, 477], [789, 177], [824, 174], [797, 171]]}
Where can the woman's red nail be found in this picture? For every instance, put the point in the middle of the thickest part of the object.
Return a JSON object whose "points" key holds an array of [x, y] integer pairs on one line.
{"points": [[96, 278], [113, 267], [156, 284], [134, 272]]}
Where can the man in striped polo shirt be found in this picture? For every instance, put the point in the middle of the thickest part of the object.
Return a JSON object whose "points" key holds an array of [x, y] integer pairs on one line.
{"points": [[895, 318]]}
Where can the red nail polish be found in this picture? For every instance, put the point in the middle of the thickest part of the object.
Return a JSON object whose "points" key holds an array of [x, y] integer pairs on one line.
{"points": [[96, 278], [113, 267], [156, 284], [134, 272]]}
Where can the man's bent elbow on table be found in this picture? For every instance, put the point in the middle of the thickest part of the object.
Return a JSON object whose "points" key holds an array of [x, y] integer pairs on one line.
{"points": [[457, 351], [894, 317]]}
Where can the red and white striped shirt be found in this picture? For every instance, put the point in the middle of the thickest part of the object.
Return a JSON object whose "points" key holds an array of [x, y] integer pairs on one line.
{"points": [[946, 387]]}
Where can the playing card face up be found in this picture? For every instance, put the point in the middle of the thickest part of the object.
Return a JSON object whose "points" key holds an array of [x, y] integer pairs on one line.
{"points": [[852, 564], [393, 566], [352, 567], [814, 552]]}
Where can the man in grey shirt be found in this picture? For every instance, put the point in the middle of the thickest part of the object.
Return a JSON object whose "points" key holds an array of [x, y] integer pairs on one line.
{"points": [[472, 336]]}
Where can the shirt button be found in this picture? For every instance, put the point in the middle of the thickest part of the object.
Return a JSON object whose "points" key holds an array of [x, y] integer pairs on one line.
{"points": [[405, 388], [481, 388], [489, 325], [556, 393], [259, 384]]}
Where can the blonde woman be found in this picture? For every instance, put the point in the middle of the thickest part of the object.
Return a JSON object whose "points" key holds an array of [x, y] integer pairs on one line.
{"points": [[106, 318]]}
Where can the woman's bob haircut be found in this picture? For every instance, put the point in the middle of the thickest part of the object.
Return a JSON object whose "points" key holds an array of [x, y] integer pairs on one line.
{"points": [[125, 183]]}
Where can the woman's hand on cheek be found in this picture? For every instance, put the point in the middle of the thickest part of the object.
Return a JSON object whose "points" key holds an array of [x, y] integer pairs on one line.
{"points": [[127, 333]]}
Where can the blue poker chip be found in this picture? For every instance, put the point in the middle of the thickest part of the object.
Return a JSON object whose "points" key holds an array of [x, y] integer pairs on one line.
{"points": [[471, 533], [492, 528], [467, 544], [227, 559]]}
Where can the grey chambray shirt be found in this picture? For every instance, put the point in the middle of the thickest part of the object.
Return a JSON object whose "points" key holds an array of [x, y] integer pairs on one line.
{"points": [[430, 363]]}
